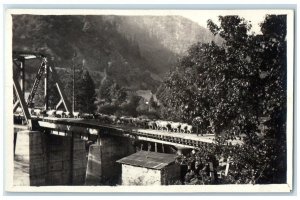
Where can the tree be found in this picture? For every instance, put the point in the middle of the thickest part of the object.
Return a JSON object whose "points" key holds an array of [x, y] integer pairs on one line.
{"points": [[117, 93], [274, 65], [85, 93], [105, 90], [275, 97], [111, 92], [228, 88], [213, 81], [130, 108]]}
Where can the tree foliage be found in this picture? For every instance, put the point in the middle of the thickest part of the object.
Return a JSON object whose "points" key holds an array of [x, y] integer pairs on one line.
{"points": [[152, 103], [105, 90], [228, 89], [130, 107], [110, 91], [85, 93]]}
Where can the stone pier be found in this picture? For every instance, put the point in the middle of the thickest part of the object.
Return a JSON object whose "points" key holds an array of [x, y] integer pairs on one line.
{"points": [[48, 159], [66, 160], [102, 168], [30, 159]]}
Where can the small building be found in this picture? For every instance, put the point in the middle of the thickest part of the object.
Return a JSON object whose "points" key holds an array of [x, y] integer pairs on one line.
{"points": [[149, 168]]}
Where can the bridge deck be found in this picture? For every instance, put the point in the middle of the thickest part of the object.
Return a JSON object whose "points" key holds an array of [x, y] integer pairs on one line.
{"points": [[193, 136], [93, 126]]}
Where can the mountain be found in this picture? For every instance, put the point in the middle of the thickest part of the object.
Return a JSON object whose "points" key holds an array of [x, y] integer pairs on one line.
{"points": [[135, 51], [162, 39], [175, 33]]}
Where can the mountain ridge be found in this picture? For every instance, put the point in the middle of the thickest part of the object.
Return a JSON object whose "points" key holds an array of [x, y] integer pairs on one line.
{"points": [[135, 51]]}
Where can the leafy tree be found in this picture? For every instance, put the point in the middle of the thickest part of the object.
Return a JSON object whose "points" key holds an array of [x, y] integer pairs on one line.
{"points": [[275, 96], [227, 89], [111, 92]]}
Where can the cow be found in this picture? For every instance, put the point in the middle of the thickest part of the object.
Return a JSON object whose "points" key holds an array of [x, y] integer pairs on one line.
{"points": [[51, 113], [175, 126], [140, 122], [123, 120], [108, 119], [158, 124], [113, 119], [183, 127], [96, 115], [163, 125], [135, 121], [67, 114], [60, 113], [19, 110], [87, 116], [189, 129], [39, 112], [152, 125], [76, 114], [104, 118]]}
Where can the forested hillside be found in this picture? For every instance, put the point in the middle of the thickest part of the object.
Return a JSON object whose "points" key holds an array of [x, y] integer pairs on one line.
{"points": [[134, 51]]}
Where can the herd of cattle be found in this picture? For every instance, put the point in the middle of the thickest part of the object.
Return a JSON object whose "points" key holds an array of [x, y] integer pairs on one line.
{"points": [[123, 120]]}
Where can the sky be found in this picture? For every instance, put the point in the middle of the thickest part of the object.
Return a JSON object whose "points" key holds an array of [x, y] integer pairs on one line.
{"points": [[254, 20]]}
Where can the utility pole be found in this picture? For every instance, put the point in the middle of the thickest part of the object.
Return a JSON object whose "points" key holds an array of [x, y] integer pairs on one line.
{"points": [[46, 95], [73, 63], [22, 75]]}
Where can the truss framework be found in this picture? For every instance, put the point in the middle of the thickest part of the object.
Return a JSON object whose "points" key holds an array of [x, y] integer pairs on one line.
{"points": [[43, 71]]}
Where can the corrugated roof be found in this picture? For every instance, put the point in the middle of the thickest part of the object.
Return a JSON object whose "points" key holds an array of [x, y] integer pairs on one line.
{"points": [[148, 159]]}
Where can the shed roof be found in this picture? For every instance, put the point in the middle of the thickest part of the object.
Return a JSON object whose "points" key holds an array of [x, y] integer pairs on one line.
{"points": [[148, 159]]}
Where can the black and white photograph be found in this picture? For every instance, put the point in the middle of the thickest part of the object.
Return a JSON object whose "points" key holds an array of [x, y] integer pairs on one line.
{"points": [[161, 100]]}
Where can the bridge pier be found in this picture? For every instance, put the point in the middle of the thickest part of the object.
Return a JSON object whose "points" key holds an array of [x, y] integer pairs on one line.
{"points": [[66, 159], [102, 168], [30, 157], [42, 158]]}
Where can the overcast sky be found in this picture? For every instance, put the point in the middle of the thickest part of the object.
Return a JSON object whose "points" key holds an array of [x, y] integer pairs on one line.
{"points": [[254, 20]]}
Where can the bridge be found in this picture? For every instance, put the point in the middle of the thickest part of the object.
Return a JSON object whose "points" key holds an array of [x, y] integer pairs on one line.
{"points": [[77, 151]]}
